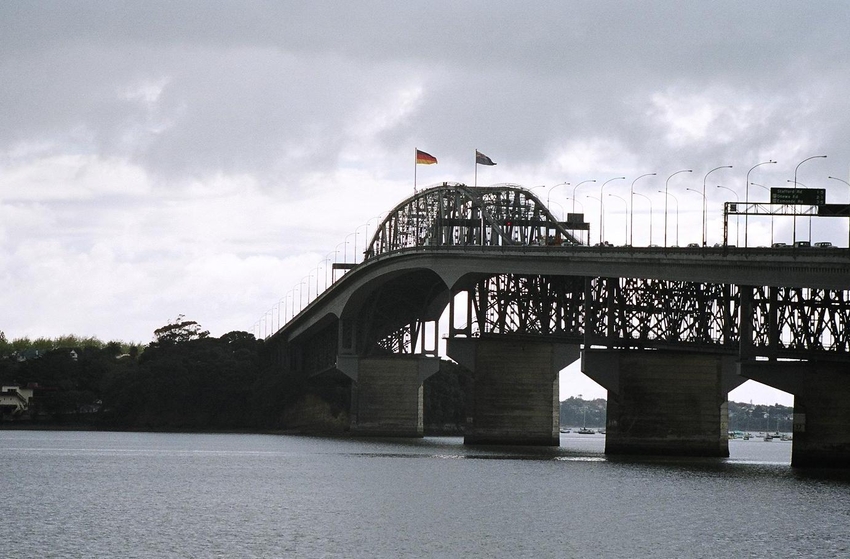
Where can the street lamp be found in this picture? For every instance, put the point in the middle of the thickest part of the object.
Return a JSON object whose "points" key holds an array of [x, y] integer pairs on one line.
{"points": [[549, 192], [737, 201], [810, 215], [602, 217], [626, 234], [304, 281], [632, 206], [703, 217], [582, 207], [794, 235], [601, 210], [837, 179], [666, 183], [771, 215], [704, 199], [666, 194], [747, 198], [848, 230], [574, 193], [650, 215], [345, 249]]}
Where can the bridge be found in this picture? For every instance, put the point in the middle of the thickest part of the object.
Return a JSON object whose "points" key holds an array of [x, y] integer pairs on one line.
{"points": [[667, 331]]}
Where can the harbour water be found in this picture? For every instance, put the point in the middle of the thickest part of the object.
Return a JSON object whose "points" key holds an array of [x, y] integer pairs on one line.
{"points": [[94, 494]]}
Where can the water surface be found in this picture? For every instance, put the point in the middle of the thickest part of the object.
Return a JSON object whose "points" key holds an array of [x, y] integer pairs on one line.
{"points": [[91, 494]]}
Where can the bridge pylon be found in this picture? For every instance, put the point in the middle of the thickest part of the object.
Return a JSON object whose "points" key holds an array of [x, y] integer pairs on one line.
{"points": [[664, 402], [514, 396]]}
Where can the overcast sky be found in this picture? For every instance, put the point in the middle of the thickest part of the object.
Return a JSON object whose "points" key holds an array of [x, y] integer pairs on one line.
{"points": [[202, 158]]}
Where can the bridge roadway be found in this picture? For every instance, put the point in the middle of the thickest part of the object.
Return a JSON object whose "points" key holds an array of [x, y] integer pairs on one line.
{"points": [[811, 268]]}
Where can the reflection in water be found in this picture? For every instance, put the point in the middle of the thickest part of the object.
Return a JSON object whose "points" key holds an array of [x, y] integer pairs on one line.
{"points": [[173, 495]]}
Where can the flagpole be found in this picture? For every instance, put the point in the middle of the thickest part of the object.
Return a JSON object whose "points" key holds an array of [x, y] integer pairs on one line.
{"points": [[415, 151], [476, 168]]}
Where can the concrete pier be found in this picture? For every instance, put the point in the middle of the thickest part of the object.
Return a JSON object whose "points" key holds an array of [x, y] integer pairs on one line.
{"points": [[821, 436], [664, 403], [515, 389], [387, 393]]}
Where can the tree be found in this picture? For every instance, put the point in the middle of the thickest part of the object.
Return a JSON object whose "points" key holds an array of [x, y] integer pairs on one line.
{"points": [[179, 331]]}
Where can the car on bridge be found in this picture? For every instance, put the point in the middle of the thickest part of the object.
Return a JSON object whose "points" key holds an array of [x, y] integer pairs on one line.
{"points": [[824, 244]]}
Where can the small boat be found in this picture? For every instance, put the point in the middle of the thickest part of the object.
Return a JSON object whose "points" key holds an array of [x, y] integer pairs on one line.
{"points": [[584, 430], [564, 430]]}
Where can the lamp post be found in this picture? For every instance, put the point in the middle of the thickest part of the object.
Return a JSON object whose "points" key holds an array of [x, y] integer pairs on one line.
{"points": [[648, 199], [771, 216], [848, 229], [304, 281], [794, 235], [366, 225], [345, 249], [574, 192], [666, 194], [626, 233], [704, 199], [737, 201], [601, 216], [810, 215], [601, 211], [560, 206], [549, 192], [666, 183], [747, 198], [632, 206], [582, 207]]}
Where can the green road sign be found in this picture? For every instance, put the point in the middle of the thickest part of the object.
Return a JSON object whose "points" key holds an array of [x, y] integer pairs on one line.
{"points": [[798, 196]]}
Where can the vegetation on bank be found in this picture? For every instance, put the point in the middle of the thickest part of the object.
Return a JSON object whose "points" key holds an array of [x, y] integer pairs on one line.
{"points": [[187, 380]]}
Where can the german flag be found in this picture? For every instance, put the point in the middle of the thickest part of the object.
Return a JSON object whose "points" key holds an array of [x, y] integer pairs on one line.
{"points": [[423, 158]]}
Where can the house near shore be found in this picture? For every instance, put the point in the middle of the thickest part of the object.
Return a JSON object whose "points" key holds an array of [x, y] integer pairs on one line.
{"points": [[15, 401]]}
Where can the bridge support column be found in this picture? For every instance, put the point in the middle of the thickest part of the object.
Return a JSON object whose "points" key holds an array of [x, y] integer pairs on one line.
{"points": [[387, 393], [664, 403], [821, 392], [514, 397]]}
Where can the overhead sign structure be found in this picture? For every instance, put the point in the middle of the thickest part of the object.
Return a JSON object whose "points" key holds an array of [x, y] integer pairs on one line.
{"points": [[798, 196], [834, 210]]}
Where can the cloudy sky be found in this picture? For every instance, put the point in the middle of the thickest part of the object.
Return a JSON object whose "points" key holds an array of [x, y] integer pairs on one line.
{"points": [[202, 158]]}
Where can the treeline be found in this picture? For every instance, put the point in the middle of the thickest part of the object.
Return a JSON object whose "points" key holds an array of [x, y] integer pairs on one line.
{"points": [[576, 412], [197, 384], [187, 380], [749, 417], [25, 345]]}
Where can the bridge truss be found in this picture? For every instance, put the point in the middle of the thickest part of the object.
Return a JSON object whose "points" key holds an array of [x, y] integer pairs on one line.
{"points": [[456, 214], [773, 322]]}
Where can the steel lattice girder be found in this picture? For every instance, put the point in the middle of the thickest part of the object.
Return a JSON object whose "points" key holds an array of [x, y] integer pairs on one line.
{"points": [[456, 214], [631, 312]]}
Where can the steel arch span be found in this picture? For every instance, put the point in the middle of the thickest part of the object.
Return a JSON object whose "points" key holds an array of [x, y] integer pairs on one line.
{"points": [[460, 215]]}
